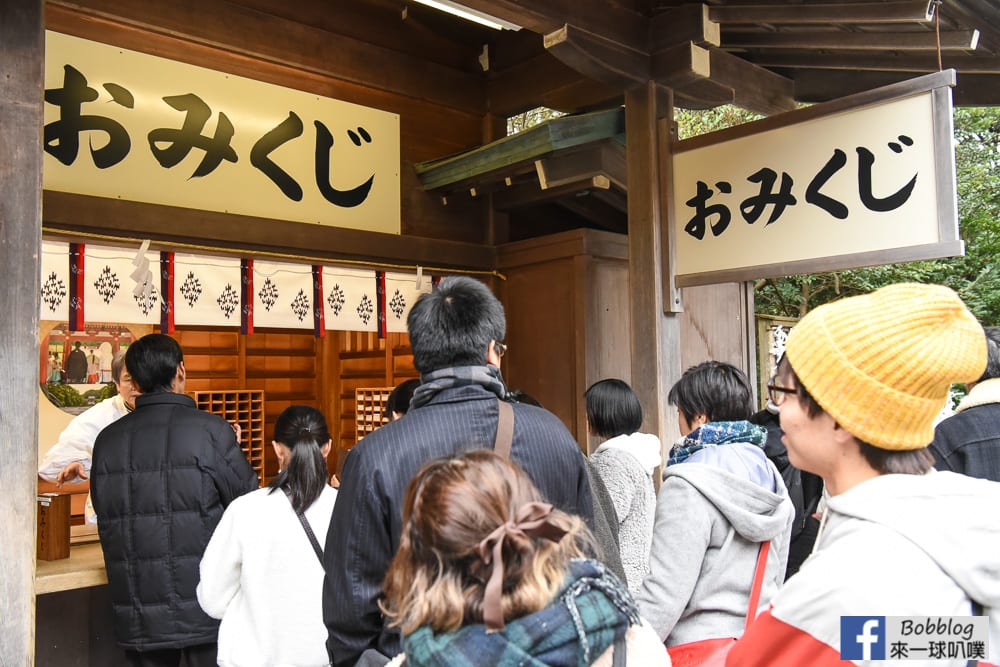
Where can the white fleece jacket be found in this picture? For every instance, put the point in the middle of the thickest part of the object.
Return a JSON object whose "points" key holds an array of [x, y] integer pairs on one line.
{"points": [[625, 463], [261, 576]]}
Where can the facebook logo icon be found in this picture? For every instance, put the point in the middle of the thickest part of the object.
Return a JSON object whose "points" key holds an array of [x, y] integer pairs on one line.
{"points": [[862, 637]]}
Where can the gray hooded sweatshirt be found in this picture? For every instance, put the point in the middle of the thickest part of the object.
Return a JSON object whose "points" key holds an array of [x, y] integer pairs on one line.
{"points": [[712, 513]]}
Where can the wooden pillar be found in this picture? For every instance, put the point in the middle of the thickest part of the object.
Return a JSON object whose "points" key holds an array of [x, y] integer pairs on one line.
{"points": [[21, 89], [655, 338]]}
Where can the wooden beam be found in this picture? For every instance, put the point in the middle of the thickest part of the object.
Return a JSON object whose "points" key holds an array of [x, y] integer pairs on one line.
{"points": [[687, 23], [815, 85], [754, 88], [505, 155], [977, 90], [913, 11], [241, 234], [530, 194], [965, 64], [925, 40], [21, 85], [239, 30], [704, 94], [710, 77], [599, 58], [546, 81], [571, 166], [679, 66], [613, 21], [655, 337]]}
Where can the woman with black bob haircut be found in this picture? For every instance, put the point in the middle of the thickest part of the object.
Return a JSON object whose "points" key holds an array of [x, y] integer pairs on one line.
{"points": [[625, 462], [723, 514], [262, 572]]}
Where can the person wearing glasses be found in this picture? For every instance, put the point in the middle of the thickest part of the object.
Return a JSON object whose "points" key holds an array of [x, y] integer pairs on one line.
{"points": [[721, 500], [858, 391], [804, 488], [456, 332]]}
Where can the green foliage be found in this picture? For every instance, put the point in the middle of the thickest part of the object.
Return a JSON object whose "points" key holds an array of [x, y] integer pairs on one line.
{"points": [[66, 395], [692, 123], [976, 276]]}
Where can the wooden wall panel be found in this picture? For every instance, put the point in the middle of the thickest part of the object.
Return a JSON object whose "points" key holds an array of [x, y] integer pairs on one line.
{"points": [[717, 323], [566, 298], [364, 361], [608, 325], [541, 323]]}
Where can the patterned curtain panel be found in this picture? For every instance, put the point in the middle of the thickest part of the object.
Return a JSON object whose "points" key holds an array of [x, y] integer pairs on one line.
{"points": [[282, 295], [118, 289], [124, 285], [206, 290], [55, 281], [349, 299], [401, 292]]}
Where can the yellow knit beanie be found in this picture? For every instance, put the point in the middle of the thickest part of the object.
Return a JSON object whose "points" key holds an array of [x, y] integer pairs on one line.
{"points": [[881, 364]]}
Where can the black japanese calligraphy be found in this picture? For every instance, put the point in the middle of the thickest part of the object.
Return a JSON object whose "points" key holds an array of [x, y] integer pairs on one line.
{"points": [[344, 198], [696, 225], [62, 137], [285, 131], [180, 142], [753, 207]]}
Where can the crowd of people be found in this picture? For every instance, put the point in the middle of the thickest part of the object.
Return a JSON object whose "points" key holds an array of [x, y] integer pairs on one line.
{"points": [[472, 530]]}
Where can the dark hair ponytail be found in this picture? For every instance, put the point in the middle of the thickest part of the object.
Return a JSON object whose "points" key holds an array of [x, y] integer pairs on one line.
{"points": [[303, 430]]}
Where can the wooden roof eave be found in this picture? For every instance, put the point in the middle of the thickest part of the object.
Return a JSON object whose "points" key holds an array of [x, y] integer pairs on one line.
{"points": [[519, 153]]}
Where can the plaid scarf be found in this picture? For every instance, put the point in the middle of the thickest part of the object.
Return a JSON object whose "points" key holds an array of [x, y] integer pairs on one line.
{"points": [[714, 434], [587, 615], [431, 383]]}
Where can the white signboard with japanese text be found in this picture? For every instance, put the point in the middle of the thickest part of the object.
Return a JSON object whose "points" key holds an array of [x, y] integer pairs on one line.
{"points": [[867, 182], [128, 125]]}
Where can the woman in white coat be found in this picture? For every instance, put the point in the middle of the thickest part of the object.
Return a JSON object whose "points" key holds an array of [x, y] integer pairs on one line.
{"points": [[262, 572]]}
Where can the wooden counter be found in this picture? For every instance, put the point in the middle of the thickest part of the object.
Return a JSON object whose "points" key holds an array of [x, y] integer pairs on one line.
{"points": [[83, 568]]}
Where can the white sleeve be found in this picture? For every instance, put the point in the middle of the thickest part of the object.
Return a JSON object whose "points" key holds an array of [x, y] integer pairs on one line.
{"points": [[76, 442], [221, 565]]}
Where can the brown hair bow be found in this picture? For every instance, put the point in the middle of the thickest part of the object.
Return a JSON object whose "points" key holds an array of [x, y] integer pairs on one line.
{"points": [[532, 520]]}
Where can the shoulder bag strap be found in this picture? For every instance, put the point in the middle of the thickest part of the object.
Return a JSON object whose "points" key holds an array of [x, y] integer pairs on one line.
{"points": [[619, 655], [505, 429], [309, 533], [977, 610], [758, 583]]}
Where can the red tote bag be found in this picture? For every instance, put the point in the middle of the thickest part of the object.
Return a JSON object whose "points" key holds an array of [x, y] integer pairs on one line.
{"points": [[713, 652]]}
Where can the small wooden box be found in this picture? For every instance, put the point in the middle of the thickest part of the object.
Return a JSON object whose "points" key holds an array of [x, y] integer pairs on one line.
{"points": [[53, 526]]}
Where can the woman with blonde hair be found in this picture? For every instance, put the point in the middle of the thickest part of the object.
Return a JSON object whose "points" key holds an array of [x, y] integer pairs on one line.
{"points": [[487, 573]]}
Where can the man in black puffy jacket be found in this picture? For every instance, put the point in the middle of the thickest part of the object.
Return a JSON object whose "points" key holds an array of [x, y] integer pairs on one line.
{"points": [[161, 478]]}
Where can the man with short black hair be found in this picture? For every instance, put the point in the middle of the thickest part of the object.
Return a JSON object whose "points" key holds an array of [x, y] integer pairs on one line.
{"points": [[161, 478], [456, 333], [969, 441]]}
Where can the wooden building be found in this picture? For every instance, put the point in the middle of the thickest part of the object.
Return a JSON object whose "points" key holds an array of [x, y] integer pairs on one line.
{"points": [[570, 232]]}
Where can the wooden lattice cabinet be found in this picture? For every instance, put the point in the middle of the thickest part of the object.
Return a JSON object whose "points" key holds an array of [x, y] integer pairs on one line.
{"points": [[370, 412], [246, 408]]}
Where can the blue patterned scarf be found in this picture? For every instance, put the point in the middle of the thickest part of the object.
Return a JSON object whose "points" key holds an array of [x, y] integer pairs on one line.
{"points": [[714, 434], [587, 615]]}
